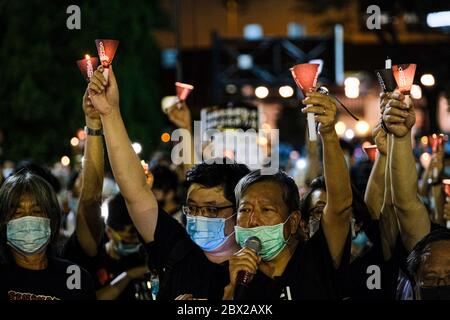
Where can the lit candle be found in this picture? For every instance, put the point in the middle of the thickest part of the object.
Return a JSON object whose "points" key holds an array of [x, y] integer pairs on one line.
{"points": [[89, 68]]}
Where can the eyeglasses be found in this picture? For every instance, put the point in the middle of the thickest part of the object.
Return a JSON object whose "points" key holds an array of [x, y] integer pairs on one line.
{"points": [[435, 281], [206, 211]]}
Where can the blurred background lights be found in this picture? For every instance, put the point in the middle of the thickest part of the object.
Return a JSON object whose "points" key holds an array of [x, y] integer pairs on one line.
{"points": [[137, 147], [427, 80], [362, 128], [74, 142], [416, 91], [261, 92], [65, 161], [349, 134], [340, 128], [286, 91], [351, 87]]}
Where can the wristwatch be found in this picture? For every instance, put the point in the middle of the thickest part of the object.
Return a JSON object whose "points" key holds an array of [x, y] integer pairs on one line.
{"points": [[92, 132]]}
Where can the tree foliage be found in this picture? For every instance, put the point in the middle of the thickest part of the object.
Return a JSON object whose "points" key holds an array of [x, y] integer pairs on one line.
{"points": [[41, 88]]}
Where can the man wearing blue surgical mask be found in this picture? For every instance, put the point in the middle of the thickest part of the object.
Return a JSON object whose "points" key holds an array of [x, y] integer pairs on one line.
{"points": [[191, 262]]}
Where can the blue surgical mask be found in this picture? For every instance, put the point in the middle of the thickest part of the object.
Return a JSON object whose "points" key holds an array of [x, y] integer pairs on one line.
{"points": [[125, 249], [272, 239], [361, 240], [207, 233], [28, 235]]}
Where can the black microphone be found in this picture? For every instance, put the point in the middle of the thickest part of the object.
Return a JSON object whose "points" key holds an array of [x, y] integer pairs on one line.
{"points": [[243, 278]]}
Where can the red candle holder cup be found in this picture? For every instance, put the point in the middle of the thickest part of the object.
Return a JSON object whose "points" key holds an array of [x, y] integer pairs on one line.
{"points": [[106, 51], [305, 76], [371, 151], [87, 66], [183, 90], [404, 76], [437, 142]]}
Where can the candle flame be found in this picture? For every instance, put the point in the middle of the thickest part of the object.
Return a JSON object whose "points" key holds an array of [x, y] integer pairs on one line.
{"points": [[87, 57]]}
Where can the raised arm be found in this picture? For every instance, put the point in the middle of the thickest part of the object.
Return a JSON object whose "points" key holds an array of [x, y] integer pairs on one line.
{"points": [[374, 196], [412, 215], [125, 164], [336, 216], [89, 227]]}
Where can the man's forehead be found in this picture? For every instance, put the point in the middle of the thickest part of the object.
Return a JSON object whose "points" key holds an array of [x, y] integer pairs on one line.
{"points": [[437, 253], [198, 192]]}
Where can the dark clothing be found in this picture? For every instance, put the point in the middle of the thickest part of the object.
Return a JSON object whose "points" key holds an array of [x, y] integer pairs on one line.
{"points": [[61, 280], [310, 274], [383, 281], [102, 267], [182, 265]]}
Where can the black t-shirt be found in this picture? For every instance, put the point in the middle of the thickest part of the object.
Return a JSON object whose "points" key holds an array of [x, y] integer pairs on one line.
{"points": [[358, 288], [182, 266], [59, 281], [102, 267], [309, 275]]}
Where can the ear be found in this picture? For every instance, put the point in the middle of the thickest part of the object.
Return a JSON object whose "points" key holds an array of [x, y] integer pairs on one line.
{"points": [[294, 222], [305, 228]]}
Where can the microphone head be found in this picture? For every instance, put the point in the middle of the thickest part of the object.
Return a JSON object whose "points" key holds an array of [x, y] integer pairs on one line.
{"points": [[253, 243]]}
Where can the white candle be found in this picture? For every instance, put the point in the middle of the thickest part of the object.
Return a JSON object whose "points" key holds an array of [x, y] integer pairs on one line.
{"points": [[388, 63]]}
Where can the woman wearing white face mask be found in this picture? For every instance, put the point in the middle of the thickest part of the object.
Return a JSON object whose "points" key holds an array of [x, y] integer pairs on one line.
{"points": [[29, 225]]}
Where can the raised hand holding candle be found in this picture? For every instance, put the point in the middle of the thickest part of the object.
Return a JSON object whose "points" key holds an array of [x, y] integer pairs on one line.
{"points": [[305, 76]]}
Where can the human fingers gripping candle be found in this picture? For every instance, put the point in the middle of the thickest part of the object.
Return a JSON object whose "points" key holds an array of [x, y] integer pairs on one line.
{"points": [[305, 76], [87, 66], [106, 51]]}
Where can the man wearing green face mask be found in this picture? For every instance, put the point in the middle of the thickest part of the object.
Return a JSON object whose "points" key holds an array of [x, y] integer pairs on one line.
{"points": [[268, 208]]}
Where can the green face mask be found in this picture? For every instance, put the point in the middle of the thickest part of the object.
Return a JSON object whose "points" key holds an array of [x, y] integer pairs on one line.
{"points": [[272, 239]]}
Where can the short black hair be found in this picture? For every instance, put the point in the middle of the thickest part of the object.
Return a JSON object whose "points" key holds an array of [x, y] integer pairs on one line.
{"points": [[118, 216], [288, 187], [224, 172], [22, 183], [44, 173], [165, 178], [359, 208], [415, 258]]}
